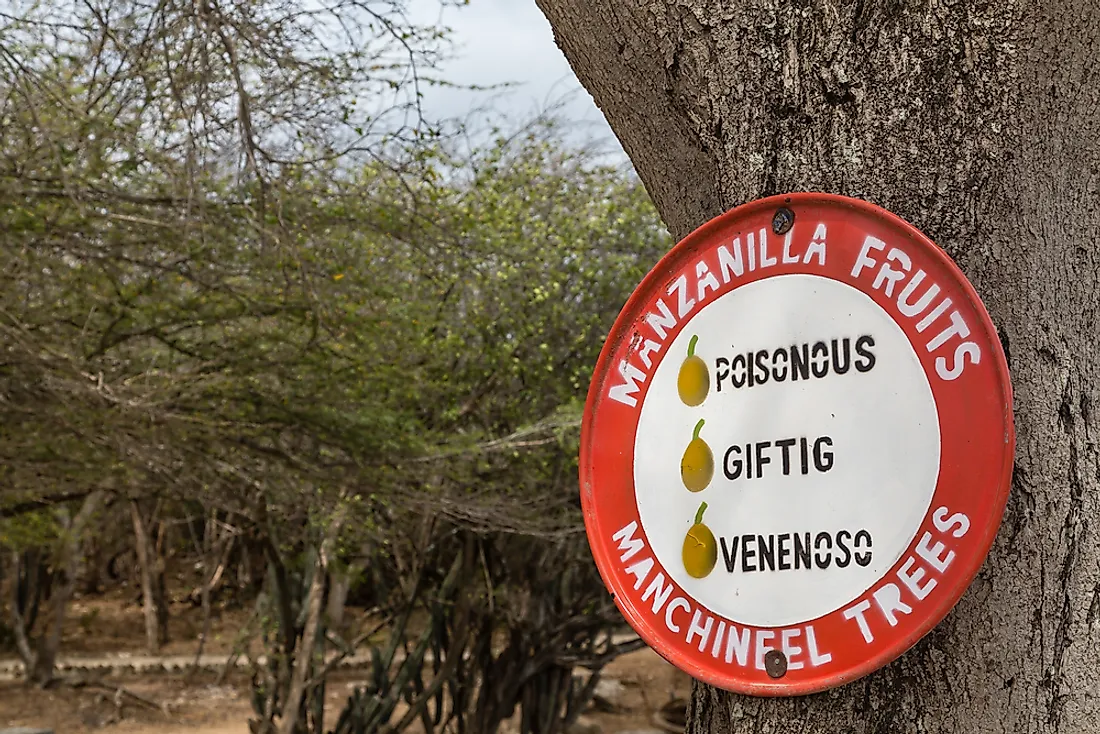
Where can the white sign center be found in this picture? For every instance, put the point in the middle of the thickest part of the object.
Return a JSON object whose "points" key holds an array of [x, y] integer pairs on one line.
{"points": [[825, 443]]}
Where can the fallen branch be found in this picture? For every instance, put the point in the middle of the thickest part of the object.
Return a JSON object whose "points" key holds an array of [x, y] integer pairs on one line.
{"points": [[119, 693]]}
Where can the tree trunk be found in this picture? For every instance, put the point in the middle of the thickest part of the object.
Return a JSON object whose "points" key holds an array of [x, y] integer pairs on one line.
{"points": [[978, 123], [217, 542], [303, 664], [339, 587], [311, 643], [23, 606], [40, 654], [160, 583], [91, 563], [152, 583]]}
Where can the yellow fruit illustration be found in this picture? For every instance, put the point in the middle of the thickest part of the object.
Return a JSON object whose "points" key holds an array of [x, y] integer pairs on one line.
{"points": [[693, 382], [697, 464], [700, 548]]}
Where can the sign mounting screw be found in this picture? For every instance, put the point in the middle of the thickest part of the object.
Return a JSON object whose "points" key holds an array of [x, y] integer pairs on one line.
{"points": [[782, 221], [775, 663]]}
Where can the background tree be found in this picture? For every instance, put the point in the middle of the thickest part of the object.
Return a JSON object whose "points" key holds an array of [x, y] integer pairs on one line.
{"points": [[258, 312], [977, 123], [156, 308]]}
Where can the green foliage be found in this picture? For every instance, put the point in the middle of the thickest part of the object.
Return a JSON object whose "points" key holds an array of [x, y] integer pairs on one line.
{"points": [[383, 323], [241, 272]]}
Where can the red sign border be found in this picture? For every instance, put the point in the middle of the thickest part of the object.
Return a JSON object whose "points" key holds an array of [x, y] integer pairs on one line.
{"points": [[987, 527]]}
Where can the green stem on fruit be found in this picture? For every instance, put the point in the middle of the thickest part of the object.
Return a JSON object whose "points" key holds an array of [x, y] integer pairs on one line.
{"points": [[691, 345], [698, 427], [699, 514]]}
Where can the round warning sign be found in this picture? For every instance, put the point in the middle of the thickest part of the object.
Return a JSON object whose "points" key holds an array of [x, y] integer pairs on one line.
{"points": [[797, 445]]}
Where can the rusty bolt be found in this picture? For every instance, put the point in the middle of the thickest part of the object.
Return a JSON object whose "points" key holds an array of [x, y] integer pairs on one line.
{"points": [[775, 663], [782, 221]]}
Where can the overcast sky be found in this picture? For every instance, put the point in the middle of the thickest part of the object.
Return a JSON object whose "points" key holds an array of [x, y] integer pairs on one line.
{"points": [[507, 41]]}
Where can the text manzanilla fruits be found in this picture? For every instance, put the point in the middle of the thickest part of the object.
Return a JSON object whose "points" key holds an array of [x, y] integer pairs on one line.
{"points": [[693, 382], [697, 464]]}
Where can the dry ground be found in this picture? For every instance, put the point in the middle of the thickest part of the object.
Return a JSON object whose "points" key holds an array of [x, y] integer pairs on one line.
{"points": [[641, 683]]}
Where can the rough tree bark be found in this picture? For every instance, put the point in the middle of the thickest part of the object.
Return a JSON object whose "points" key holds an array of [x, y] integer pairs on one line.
{"points": [[979, 122]]}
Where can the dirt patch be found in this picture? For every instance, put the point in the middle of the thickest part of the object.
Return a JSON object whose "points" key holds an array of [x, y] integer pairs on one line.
{"points": [[637, 687], [646, 685], [113, 623], [111, 628], [200, 707]]}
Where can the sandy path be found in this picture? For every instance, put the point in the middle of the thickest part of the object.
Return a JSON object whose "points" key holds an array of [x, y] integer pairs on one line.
{"points": [[118, 663]]}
